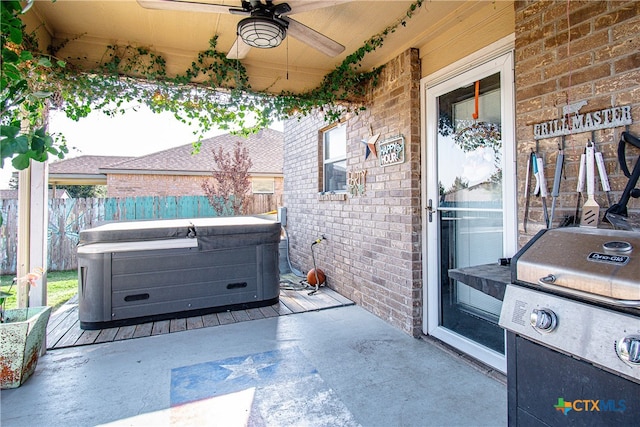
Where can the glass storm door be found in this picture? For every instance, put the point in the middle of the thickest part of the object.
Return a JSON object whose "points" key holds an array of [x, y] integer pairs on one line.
{"points": [[470, 205]]}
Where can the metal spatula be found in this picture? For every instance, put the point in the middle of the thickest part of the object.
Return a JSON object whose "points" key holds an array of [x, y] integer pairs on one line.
{"points": [[590, 209]]}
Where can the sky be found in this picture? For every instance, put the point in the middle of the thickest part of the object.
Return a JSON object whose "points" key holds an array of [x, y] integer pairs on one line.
{"points": [[134, 133]]}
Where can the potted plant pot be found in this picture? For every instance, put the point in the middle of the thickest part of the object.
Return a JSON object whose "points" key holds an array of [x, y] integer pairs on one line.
{"points": [[21, 336]]}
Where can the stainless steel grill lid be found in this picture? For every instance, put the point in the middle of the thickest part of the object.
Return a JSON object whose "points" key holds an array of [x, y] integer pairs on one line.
{"points": [[594, 263]]}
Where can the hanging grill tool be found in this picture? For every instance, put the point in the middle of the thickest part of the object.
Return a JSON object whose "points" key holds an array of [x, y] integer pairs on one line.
{"points": [[604, 179], [541, 185], [555, 192], [590, 209], [580, 186], [527, 193]]}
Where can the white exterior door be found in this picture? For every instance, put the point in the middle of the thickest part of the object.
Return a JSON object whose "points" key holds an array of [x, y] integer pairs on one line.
{"points": [[470, 207]]}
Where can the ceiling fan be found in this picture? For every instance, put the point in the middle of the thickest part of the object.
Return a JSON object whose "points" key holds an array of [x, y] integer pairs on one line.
{"points": [[265, 26]]}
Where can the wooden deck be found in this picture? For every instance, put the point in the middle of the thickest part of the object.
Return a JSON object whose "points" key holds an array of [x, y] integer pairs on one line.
{"points": [[64, 326]]}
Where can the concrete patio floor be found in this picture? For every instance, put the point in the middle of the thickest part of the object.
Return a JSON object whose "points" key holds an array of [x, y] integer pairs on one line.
{"points": [[335, 367]]}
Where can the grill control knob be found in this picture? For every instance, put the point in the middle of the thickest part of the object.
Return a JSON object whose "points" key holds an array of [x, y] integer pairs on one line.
{"points": [[544, 320], [628, 349]]}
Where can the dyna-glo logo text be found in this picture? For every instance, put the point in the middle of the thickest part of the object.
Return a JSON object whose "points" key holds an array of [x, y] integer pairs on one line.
{"points": [[588, 405]]}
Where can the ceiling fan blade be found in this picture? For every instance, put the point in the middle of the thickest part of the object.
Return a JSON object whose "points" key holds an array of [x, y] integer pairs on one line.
{"points": [[184, 6], [306, 6], [239, 49], [313, 38]]}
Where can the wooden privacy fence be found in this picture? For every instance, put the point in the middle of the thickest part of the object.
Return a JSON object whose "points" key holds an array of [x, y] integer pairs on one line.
{"points": [[67, 217]]}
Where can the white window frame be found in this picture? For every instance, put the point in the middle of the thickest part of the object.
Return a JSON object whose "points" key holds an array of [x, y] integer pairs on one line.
{"points": [[263, 181], [325, 161]]}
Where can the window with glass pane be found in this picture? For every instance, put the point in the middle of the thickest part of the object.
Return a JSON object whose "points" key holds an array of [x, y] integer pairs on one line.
{"points": [[263, 185], [470, 205], [335, 159]]}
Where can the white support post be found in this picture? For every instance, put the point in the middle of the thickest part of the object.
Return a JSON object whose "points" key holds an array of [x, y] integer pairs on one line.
{"points": [[24, 228], [39, 230], [33, 221]]}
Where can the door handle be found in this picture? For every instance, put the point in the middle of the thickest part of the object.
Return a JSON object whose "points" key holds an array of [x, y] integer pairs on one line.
{"points": [[430, 209]]}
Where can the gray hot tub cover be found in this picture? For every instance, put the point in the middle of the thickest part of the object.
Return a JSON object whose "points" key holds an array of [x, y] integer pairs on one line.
{"points": [[211, 233]]}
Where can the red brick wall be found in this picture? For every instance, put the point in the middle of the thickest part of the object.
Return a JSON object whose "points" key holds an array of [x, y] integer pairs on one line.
{"points": [[372, 252], [132, 185], [597, 61]]}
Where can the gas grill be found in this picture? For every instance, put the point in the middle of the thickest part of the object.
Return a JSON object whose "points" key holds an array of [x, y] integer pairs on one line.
{"points": [[572, 315]]}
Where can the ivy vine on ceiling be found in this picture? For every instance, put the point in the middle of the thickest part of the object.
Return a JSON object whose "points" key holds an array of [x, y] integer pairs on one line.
{"points": [[214, 92]]}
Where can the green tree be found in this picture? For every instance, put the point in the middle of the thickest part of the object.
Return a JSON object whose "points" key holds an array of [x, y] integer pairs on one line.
{"points": [[83, 191], [23, 93]]}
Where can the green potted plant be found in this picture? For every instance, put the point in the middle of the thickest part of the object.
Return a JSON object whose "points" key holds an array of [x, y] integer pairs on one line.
{"points": [[22, 333]]}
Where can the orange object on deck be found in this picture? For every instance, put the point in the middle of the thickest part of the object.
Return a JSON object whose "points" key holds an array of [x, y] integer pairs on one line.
{"points": [[311, 277]]}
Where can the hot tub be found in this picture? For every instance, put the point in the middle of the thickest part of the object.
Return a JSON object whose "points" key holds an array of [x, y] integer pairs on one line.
{"points": [[135, 272]]}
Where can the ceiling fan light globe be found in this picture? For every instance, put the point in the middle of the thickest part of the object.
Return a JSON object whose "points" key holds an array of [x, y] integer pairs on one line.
{"points": [[261, 33]]}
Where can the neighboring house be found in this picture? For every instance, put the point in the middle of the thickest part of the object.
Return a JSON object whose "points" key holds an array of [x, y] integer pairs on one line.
{"points": [[179, 172], [53, 194], [82, 170], [175, 171]]}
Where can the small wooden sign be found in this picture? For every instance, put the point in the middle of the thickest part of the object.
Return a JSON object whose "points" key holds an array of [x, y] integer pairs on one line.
{"points": [[391, 151], [356, 182]]}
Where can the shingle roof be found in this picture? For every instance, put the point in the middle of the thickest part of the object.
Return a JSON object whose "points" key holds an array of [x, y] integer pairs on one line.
{"points": [[265, 150], [85, 165]]}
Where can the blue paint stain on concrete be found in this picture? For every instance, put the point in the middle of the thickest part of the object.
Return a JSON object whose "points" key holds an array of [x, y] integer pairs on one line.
{"points": [[210, 379], [281, 379]]}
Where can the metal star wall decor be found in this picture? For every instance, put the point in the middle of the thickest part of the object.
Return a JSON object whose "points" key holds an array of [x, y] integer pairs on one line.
{"points": [[371, 146]]}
